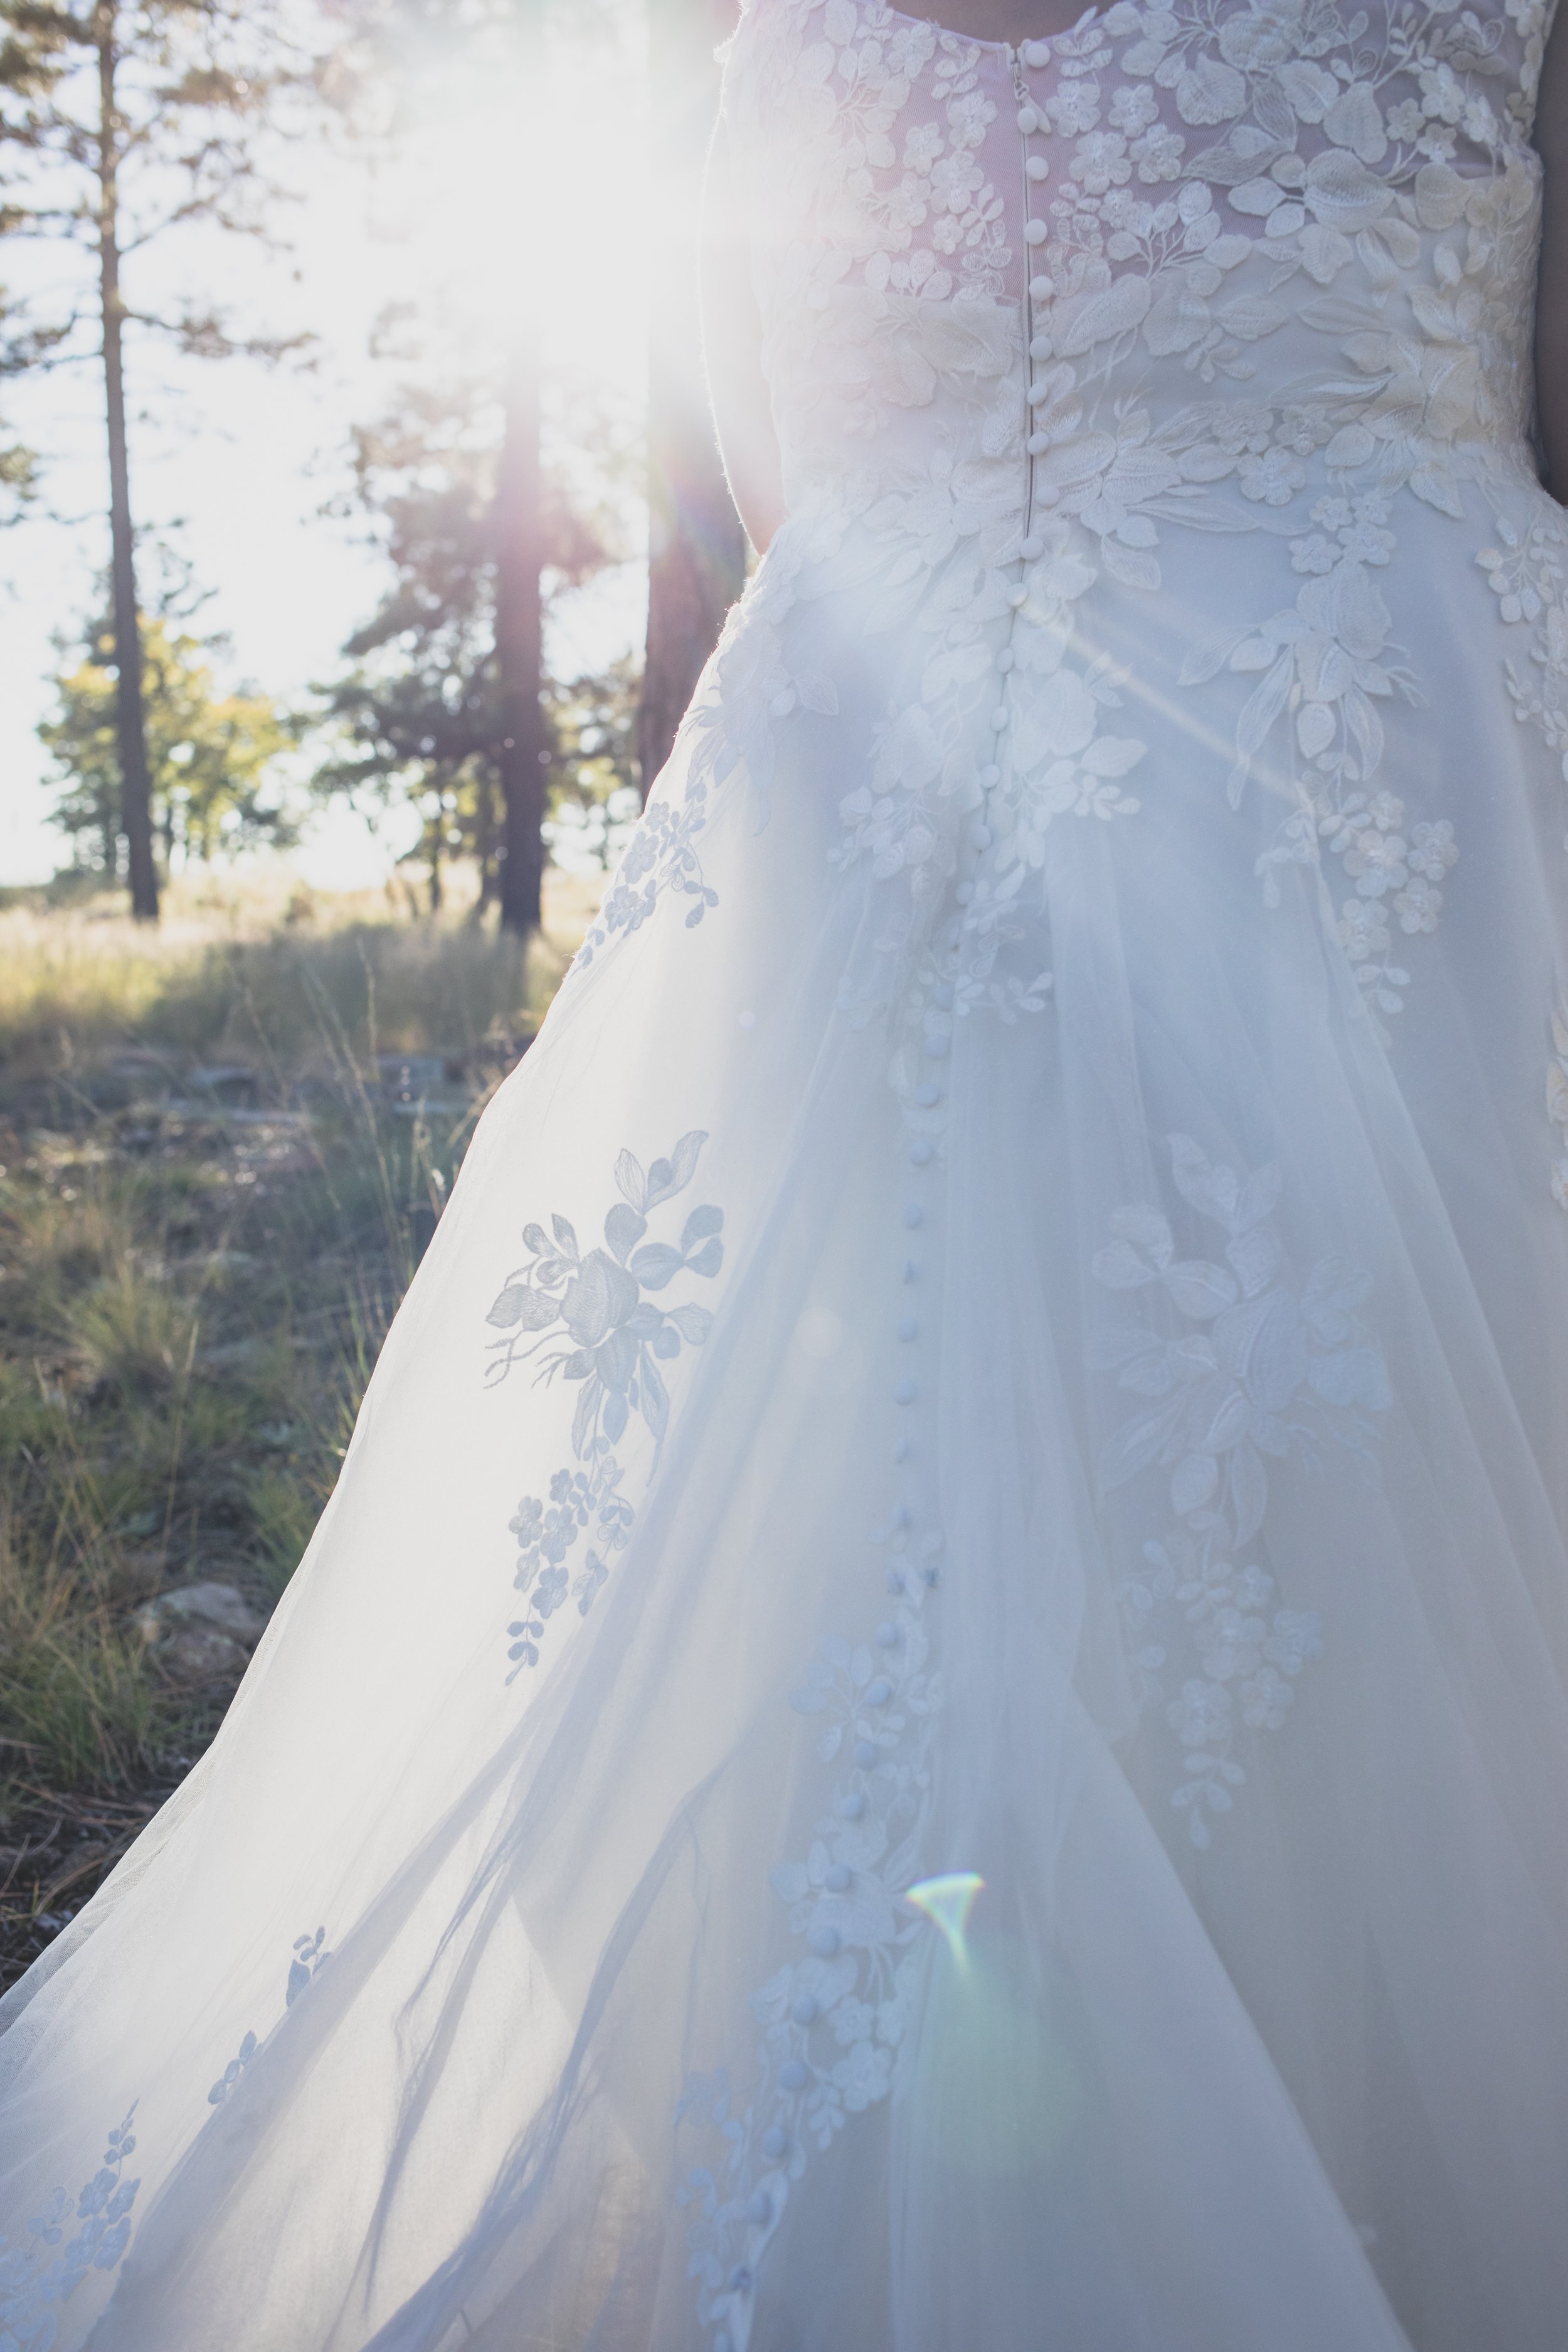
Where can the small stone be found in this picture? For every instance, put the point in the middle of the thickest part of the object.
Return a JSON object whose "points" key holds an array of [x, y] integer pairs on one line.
{"points": [[196, 1655]]}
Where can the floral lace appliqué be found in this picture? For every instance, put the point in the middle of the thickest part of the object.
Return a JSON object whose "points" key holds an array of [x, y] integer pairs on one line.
{"points": [[1239, 1370], [833, 2019], [68, 2240], [589, 1316]]}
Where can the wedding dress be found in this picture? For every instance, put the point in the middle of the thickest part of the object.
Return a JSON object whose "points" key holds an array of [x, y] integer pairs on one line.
{"points": [[931, 1714]]}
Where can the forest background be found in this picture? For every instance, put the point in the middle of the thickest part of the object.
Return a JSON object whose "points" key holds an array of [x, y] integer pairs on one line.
{"points": [[362, 536]]}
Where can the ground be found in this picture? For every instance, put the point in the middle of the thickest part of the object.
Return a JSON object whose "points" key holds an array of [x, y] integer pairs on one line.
{"points": [[222, 1147]]}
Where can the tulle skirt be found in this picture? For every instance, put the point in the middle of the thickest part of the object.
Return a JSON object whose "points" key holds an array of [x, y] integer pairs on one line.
{"points": [[930, 1710]]}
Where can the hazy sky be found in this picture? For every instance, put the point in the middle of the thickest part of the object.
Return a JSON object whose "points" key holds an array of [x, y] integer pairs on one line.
{"points": [[245, 457]]}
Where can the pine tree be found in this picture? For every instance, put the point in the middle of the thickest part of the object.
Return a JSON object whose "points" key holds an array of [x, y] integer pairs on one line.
{"points": [[126, 124], [211, 757], [425, 718]]}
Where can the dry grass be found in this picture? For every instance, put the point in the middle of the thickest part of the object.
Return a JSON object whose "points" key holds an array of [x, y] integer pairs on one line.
{"points": [[214, 1188]]}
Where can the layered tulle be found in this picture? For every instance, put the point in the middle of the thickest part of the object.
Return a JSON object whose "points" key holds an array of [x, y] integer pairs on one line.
{"points": [[930, 1711]]}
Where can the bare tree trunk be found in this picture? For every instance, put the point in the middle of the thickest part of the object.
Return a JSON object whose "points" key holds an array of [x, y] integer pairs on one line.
{"points": [[135, 784], [697, 547], [519, 646]]}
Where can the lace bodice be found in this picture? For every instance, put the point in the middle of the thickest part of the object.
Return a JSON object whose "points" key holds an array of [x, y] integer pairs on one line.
{"points": [[1286, 198]]}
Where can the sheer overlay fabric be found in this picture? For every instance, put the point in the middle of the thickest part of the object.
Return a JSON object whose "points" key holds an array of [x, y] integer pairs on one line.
{"points": [[930, 1713]]}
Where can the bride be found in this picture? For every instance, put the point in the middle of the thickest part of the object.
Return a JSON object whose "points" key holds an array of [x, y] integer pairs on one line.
{"points": [[932, 1711]]}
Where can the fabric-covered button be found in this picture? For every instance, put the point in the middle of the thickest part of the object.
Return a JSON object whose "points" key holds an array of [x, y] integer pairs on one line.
{"points": [[1037, 168], [1032, 548], [792, 2075], [1037, 444], [982, 837], [1035, 232], [927, 1091], [1006, 659], [852, 1805], [824, 1942], [922, 1152], [838, 1879], [991, 773], [879, 1692], [999, 717], [760, 2207], [909, 1329], [775, 2142], [913, 1214], [1040, 290], [1028, 121], [806, 2011], [865, 1753], [1040, 349], [1036, 53], [905, 1393]]}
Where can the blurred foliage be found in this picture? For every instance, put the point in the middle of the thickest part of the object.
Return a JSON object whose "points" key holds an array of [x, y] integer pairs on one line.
{"points": [[211, 757]]}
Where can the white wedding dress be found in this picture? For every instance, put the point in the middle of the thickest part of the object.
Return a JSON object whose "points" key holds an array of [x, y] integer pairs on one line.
{"points": [[1009, 1340]]}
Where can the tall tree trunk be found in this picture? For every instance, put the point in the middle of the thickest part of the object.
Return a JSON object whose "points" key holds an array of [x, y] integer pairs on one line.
{"points": [[697, 547], [519, 644], [519, 538], [135, 784]]}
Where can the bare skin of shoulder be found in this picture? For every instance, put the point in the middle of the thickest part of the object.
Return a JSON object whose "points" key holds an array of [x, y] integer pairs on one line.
{"points": [[732, 330]]}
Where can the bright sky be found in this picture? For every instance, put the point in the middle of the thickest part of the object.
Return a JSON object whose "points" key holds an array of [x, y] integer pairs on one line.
{"points": [[245, 457]]}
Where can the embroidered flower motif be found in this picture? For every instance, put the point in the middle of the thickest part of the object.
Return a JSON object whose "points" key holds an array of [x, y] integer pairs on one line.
{"points": [[1253, 1371], [833, 2020], [589, 1317], [36, 2277]]}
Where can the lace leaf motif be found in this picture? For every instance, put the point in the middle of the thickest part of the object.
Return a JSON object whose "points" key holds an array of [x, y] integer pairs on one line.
{"points": [[589, 1317], [1255, 1372]]}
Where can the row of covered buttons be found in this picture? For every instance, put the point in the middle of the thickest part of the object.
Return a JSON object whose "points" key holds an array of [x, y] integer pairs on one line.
{"points": [[1036, 53]]}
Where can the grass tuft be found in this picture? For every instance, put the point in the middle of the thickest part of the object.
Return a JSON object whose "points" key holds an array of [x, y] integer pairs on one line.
{"points": [[221, 1147]]}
